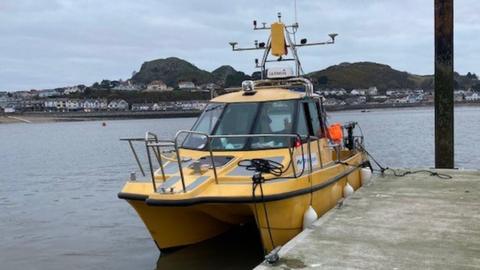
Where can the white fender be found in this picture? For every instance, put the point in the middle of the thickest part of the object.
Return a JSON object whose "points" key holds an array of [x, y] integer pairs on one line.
{"points": [[366, 175], [309, 217], [347, 190]]}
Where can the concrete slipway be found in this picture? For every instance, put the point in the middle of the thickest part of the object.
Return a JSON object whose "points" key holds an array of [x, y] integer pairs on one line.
{"points": [[413, 222]]}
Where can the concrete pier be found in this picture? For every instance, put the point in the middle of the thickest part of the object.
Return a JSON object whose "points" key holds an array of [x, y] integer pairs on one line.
{"points": [[413, 222]]}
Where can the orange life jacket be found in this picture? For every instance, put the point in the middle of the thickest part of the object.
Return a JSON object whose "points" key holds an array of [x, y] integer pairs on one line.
{"points": [[335, 132]]}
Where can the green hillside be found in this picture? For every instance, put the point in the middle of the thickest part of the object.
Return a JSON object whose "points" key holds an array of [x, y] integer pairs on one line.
{"points": [[345, 75], [364, 75], [171, 71]]}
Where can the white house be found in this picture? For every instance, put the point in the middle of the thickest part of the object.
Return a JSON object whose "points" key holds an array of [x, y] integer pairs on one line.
{"points": [[72, 89], [186, 85], [58, 104], [157, 85], [357, 92], [9, 109], [372, 91], [118, 105], [127, 86], [73, 104], [94, 104]]}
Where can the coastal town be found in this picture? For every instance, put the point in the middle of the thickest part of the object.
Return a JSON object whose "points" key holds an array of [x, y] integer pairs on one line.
{"points": [[66, 99], [176, 85]]}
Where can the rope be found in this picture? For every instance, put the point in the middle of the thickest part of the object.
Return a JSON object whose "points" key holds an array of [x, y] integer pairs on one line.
{"points": [[432, 173], [262, 166], [258, 180], [397, 173]]}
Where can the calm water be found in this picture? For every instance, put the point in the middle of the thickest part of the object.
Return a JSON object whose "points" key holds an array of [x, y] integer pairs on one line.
{"points": [[58, 186]]}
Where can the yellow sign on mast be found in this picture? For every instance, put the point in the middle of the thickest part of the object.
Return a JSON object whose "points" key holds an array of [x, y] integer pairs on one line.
{"points": [[279, 46]]}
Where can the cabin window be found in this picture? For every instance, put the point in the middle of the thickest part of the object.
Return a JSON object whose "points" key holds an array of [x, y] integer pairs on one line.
{"points": [[273, 118], [205, 124], [208, 119], [237, 119]]}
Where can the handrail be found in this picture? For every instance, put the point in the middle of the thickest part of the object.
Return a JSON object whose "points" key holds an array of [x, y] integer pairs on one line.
{"points": [[272, 83], [151, 141], [210, 137]]}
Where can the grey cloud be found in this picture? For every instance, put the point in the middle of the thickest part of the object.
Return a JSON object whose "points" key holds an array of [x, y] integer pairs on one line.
{"points": [[64, 42]]}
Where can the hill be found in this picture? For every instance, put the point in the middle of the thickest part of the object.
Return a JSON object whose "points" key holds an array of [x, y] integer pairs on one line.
{"points": [[367, 74], [220, 74], [171, 71], [345, 75], [364, 75]]}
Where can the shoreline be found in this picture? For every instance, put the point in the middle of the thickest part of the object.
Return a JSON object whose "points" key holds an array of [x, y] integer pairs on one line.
{"points": [[48, 117]]}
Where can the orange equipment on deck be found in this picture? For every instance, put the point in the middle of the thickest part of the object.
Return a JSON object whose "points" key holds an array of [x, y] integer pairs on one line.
{"points": [[335, 132]]}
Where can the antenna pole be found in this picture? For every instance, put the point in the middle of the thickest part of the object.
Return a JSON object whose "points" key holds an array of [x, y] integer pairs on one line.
{"points": [[295, 3]]}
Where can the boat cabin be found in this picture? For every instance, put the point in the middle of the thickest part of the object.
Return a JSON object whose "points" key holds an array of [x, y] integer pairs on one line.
{"points": [[273, 113]]}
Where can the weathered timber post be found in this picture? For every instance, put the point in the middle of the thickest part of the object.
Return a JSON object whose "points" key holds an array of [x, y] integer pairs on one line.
{"points": [[444, 84]]}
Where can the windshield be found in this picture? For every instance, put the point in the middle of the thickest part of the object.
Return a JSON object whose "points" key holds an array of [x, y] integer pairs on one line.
{"points": [[205, 124], [241, 119], [237, 119], [274, 118]]}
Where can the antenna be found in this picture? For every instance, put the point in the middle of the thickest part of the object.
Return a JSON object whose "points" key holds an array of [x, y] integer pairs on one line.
{"points": [[280, 43], [295, 7]]}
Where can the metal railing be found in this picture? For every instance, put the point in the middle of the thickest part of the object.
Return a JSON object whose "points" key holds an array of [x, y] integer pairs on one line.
{"points": [[150, 141], [153, 144]]}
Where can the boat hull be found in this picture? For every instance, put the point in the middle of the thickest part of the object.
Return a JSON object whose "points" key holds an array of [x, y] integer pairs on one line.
{"points": [[185, 224]]}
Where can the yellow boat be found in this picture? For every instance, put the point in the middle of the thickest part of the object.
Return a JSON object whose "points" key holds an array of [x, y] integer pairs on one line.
{"points": [[261, 154]]}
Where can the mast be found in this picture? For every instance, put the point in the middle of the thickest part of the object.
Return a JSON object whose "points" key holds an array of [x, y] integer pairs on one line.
{"points": [[278, 44]]}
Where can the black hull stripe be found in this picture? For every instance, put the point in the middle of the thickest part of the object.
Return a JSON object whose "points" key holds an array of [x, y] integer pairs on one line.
{"points": [[249, 199], [132, 196]]}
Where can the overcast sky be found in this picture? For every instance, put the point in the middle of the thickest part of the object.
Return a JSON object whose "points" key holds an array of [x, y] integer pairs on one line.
{"points": [[53, 43]]}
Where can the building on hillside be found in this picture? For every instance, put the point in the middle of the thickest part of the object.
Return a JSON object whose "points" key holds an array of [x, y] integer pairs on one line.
{"points": [[73, 89], [47, 93], [358, 92], [157, 85], [26, 94], [186, 85], [127, 86], [332, 92], [372, 91]]}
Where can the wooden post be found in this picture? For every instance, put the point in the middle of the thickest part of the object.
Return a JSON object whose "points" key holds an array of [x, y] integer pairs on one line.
{"points": [[444, 84]]}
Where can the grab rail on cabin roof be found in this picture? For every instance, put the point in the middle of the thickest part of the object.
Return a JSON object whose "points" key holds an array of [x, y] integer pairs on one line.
{"points": [[279, 83]]}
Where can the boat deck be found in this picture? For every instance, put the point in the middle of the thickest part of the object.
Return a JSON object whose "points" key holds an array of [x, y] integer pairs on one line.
{"points": [[413, 222]]}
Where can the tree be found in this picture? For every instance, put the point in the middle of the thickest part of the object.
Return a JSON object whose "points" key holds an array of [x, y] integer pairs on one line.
{"points": [[107, 84]]}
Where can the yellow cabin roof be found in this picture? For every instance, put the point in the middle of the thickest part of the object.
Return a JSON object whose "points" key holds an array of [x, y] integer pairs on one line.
{"points": [[261, 95]]}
